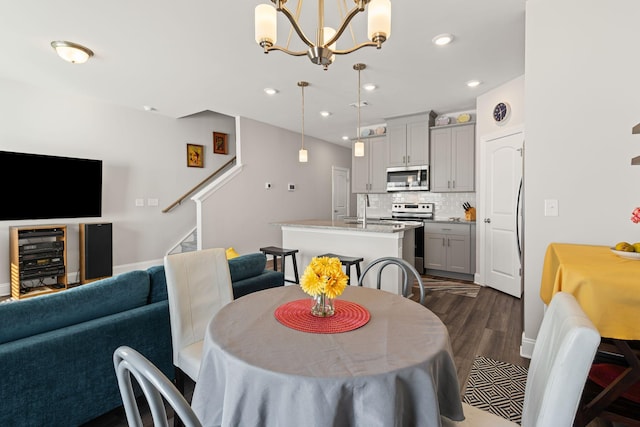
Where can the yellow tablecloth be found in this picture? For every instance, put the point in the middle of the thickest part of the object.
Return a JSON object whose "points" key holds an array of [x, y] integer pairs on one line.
{"points": [[606, 286]]}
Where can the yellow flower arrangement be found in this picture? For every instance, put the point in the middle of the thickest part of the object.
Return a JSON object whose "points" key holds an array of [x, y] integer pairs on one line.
{"points": [[324, 275]]}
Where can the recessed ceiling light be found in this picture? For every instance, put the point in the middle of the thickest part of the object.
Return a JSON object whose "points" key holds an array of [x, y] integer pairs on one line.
{"points": [[442, 39], [473, 83], [325, 113], [369, 87], [270, 91]]}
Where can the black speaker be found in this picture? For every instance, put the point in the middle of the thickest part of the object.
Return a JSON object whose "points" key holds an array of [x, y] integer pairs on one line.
{"points": [[96, 252]]}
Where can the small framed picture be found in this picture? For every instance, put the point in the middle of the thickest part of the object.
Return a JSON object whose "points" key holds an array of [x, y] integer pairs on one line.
{"points": [[195, 156], [220, 143]]}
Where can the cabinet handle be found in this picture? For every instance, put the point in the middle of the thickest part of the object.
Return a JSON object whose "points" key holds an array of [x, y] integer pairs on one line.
{"points": [[487, 220], [454, 183], [408, 159], [443, 242], [449, 242], [404, 159], [448, 184]]}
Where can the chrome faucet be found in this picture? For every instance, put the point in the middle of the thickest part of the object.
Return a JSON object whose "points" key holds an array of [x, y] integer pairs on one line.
{"points": [[364, 211]]}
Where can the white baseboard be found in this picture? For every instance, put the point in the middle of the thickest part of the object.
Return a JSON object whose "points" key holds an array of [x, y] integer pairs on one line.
{"points": [[526, 347]]}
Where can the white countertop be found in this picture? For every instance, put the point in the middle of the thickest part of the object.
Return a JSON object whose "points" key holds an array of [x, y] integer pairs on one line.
{"points": [[375, 226]]}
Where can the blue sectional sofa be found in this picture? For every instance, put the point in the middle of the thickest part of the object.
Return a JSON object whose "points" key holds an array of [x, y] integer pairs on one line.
{"points": [[56, 350], [248, 274]]}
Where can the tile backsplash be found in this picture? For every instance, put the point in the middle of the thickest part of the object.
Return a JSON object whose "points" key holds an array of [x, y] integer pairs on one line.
{"points": [[446, 204]]}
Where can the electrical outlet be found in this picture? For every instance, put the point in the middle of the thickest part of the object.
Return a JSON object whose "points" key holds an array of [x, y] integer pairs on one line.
{"points": [[152, 202], [139, 202], [291, 187]]}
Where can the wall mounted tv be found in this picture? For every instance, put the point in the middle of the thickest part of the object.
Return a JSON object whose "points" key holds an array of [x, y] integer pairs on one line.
{"points": [[36, 186]]}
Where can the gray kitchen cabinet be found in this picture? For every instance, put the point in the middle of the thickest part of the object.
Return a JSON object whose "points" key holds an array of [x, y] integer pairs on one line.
{"points": [[453, 158], [447, 247], [409, 139], [368, 173]]}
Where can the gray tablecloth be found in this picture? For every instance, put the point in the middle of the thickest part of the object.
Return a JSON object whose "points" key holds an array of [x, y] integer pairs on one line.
{"points": [[397, 370]]}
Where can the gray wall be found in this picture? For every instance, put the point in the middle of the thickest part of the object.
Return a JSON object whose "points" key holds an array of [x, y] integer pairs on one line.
{"points": [[144, 156], [239, 213], [581, 92]]}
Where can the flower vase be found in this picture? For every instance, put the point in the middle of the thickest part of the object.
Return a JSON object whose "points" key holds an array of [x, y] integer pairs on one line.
{"points": [[322, 306]]}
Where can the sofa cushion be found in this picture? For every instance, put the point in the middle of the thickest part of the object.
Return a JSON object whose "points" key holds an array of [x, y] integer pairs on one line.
{"points": [[44, 313], [248, 265], [158, 284], [265, 280]]}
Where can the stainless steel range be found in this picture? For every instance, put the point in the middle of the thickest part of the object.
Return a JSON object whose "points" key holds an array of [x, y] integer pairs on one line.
{"points": [[415, 212], [412, 211]]}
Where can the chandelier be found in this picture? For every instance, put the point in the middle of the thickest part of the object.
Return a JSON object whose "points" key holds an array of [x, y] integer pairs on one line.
{"points": [[323, 51]]}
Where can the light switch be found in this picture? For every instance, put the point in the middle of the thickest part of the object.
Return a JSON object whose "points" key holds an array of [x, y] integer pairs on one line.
{"points": [[152, 202], [551, 207], [139, 202], [267, 185]]}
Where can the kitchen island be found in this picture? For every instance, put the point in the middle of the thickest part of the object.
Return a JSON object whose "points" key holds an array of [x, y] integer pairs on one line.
{"points": [[375, 240]]}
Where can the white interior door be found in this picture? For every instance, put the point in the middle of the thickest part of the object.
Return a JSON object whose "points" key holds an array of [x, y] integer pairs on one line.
{"points": [[502, 213], [340, 192]]}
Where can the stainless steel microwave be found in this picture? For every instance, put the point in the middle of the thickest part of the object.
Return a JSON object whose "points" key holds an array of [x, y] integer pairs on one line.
{"points": [[408, 178]]}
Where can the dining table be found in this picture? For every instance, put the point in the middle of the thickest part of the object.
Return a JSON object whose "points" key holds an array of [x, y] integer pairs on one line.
{"points": [[607, 287], [380, 360]]}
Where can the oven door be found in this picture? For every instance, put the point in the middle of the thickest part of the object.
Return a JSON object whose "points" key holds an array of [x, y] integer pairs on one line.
{"points": [[418, 243]]}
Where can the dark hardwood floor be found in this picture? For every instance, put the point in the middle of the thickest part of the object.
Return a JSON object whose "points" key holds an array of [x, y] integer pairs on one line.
{"points": [[488, 325]]}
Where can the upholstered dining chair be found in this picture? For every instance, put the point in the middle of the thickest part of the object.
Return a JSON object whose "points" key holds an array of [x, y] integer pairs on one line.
{"points": [[409, 274], [154, 385], [198, 285], [561, 359]]}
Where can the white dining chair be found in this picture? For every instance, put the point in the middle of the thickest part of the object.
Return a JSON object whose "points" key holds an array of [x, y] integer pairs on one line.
{"points": [[154, 385], [561, 359], [409, 274], [198, 285]]}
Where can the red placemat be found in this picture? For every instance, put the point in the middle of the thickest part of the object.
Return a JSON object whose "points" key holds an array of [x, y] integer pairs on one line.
{"points": [[297, 315]]}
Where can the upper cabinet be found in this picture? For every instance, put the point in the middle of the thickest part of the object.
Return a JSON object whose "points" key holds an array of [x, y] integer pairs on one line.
{"points": [[368, 173], [409, 139], [453, 158]]}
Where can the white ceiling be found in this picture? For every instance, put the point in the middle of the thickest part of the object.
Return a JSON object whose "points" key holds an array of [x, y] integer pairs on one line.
{"points": [[184, 57]]}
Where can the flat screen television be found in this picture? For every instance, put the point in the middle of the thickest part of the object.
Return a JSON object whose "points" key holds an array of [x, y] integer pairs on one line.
{"points": [[36, 186]]}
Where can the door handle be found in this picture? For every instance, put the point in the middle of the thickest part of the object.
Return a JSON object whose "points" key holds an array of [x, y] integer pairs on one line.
{"points": [[487, 220]]}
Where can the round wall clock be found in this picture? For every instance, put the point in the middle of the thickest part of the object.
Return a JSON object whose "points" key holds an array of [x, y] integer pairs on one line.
{"points": [[501, 112]]}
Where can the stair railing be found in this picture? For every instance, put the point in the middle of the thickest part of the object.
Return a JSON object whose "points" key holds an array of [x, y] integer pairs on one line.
{"points": [[198, 186]]}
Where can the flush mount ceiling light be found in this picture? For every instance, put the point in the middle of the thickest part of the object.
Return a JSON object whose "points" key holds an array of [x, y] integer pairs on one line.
{"points": [[442, 39], [302, 154], [369, 87], [72, 52], [473, 83], [323, 51], [325, 113], [358, 147], [270, 91]]}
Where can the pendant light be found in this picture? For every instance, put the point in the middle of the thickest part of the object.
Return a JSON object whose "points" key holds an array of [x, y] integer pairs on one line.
{"points": [[302, 154], [358, 147]]}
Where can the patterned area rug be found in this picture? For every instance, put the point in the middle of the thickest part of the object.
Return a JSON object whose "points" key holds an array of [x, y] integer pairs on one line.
{"points": [[496, 387], [457, 287]]}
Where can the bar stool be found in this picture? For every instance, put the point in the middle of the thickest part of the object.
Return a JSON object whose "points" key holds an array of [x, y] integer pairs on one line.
{"points": [[276, 252], [347, 261]]}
